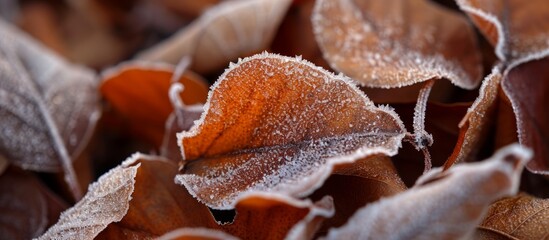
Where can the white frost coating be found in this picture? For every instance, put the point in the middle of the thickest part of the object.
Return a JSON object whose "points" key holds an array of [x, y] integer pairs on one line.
{"points": [[388, 64], [482, 94], [223, 33], [504, 44], [465, 5], [322, 209], [454, 201], [107, 201], [197, 233], [50, 106], [317, 173]]}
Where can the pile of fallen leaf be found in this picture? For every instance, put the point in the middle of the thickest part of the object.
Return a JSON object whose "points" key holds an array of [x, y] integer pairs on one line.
{"points": [[330, 119]]}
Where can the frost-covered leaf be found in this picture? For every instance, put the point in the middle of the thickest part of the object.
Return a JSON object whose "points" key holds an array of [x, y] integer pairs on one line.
{"points": [[280, 124], [527, 86], [371, 178], [518, 29], [107, 201], [158, 205], [139, 94], [28, 207], [443, 204], [156, 196], [474, 126], [396, 43], [223, 33], [49, 107], [286, 216], [520, 217]]}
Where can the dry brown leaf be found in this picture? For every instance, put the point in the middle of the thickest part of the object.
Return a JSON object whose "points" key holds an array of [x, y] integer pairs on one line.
{"points": [[286, 217], [373, 177], [140, 200], [519, 217], [443, 204], [196, 234], [397, 43], [518, 29], [49, 106], [137, 89], [107, 201], [280, 124], [474, 126], [527, 86], [28, 207], [157, 205], [223, 33]]}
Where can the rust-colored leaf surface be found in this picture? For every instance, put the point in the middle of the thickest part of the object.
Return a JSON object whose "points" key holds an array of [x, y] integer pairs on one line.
{"points": [[374, 177], [519, 217], [527, 87], [435, 208], [222, 34], [28, 208], [136, 90], [196, 234], [396, 43], [157, 204], [474, 126], [139, 199], [280, 124], [518, 29]]}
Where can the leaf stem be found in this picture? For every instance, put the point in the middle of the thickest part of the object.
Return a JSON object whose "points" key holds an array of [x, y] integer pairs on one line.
{"points": [[422, 139]]}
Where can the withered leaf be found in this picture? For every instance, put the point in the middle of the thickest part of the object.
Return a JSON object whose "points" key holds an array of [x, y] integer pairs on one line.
{"points": [[287, 217], [443, 204], [474, 126], [518, 29], [156, 197], [137, 89], [527, 86], [146, 203], [28, 207], [107, 201], [222, 34], [373, 177], [397, 43], [196, 234], [519, 217], [279, 124], [49, 107]]}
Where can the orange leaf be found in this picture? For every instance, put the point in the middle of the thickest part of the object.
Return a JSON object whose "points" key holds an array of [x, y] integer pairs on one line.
{"points": [[443, 204], [396, 43], [280, 124], [138, 92], [520, 217], [518, 29]]}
